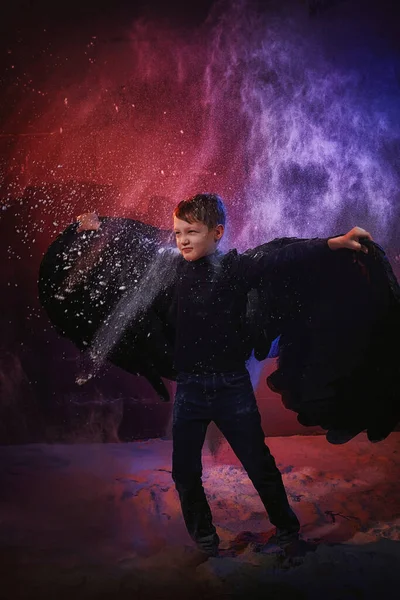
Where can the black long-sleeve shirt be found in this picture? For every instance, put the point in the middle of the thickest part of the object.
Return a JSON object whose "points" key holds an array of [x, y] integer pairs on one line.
{"points": [[211, 300]]}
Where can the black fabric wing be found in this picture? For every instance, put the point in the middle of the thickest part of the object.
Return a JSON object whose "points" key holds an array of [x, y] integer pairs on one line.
{"points": [[85, 277], [339, 328]]}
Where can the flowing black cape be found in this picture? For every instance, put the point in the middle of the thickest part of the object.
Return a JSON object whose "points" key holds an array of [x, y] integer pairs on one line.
{"points": [[338, 325]]}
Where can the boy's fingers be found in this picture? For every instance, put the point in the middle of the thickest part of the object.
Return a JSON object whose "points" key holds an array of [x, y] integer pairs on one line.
{"points": [[358, 247], [357, 236], [359, 232]]}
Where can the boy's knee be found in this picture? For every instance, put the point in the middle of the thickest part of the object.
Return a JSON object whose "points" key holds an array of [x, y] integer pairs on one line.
{"points": [[186, 480]]}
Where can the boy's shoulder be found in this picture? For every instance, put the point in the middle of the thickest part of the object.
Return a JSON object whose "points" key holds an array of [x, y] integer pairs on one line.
{"points": [[230, 256], [228, 261], [233, 264]]}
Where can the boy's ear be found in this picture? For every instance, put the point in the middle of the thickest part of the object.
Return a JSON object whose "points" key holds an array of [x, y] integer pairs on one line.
{"points": [[219, 232]]}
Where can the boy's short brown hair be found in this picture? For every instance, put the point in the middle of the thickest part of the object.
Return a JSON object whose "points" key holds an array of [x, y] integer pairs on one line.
{"points": [[206, 208]]}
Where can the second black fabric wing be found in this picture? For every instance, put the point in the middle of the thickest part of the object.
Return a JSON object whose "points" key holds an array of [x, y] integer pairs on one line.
{"points": [[338, 353]]}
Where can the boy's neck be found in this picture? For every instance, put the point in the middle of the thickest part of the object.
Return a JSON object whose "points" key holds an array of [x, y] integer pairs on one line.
{"points": [[208, 256]]}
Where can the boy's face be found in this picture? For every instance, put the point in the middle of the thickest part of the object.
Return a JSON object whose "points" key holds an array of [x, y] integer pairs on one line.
{"points": [[195, 240]]}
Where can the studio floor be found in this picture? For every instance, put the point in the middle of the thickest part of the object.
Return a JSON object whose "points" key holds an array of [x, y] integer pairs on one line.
{"points": [[101, 521]]}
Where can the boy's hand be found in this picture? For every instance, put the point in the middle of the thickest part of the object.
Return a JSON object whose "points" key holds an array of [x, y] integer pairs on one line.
{"points": [[350, 240], [88, 222]]}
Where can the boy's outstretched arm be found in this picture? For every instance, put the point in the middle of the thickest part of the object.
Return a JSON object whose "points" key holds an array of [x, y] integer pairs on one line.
{"points": [[272, 262], [351, 240]]}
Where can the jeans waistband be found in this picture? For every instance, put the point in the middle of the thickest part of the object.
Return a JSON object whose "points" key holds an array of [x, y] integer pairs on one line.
{"points": [[210, 377], [213, 373]]}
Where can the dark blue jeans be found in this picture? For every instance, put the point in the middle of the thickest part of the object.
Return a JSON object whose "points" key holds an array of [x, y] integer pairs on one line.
{"points": [[228, 400]]}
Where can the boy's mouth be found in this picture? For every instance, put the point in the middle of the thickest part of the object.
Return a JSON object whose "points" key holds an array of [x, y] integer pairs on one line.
{"points": [[186, 249]]}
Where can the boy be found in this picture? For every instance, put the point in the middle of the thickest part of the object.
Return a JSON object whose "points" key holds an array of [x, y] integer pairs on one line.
{"points": [[210, 353]]}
